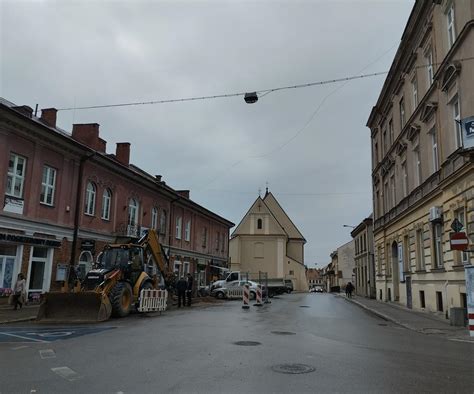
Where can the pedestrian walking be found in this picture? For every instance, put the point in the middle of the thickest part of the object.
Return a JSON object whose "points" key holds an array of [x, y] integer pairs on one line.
{"points": [[181, 287], [19, 292], [189, 289], [349, 290]]}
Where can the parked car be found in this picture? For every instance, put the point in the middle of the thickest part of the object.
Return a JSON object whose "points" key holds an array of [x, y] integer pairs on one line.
{"points": [[237, 286]]}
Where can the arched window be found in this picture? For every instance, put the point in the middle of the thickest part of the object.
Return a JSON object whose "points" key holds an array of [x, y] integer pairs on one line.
{"points": [[133, 212], [163, 222], [89, 208], [259, 224], [106, 202], [154, 218]]}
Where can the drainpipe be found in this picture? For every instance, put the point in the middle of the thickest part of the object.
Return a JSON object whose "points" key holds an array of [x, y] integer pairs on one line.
{"points": [[446, 284], [170, 228], [78, 206]]}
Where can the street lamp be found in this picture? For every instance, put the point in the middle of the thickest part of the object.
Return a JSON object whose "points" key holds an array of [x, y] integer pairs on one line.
{"points": [[251, 98]]}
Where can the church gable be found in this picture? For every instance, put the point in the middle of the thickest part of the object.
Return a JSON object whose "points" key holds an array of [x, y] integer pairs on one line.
{"points": [[259, 220], [281, 216]]}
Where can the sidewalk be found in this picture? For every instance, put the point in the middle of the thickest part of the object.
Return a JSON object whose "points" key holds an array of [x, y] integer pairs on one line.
{"points": [[421, 322], [8, 315]]}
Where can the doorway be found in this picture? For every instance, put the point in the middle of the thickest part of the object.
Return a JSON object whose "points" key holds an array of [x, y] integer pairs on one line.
{"points": [[395, 272], [409, 292]]}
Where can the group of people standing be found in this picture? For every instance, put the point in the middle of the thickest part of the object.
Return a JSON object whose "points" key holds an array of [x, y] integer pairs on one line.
{"points": [[184, 287], [349, 289]]}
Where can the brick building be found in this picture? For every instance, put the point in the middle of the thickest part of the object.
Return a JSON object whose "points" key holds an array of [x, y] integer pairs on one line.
{"points": [[64, 198]]}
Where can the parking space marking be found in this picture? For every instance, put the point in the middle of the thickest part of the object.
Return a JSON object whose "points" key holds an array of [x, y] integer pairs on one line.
{"points": [[66, 373], [21, 337], [46, 334], [47, 353]]}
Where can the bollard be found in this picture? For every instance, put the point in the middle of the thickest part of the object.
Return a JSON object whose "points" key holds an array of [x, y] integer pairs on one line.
{"points": [[258, 296], [246, 296]]}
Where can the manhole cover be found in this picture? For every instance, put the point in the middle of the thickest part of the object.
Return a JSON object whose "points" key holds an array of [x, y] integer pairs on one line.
{"points": [[293, 368], [283, 333], [304, 306], [247, 343]]}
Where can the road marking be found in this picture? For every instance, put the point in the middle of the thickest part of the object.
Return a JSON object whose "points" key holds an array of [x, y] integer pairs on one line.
{"points": [[47, 353], [461, 340], [19, 347], [19, 336], [66, 373], [54, 334]]}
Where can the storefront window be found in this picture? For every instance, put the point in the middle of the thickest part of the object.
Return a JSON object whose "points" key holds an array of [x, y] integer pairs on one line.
{"points": [[7, 266]]}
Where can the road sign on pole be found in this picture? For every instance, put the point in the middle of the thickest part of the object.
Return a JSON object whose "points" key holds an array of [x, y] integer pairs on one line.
{"points": [[458, 241], [456, 225]]}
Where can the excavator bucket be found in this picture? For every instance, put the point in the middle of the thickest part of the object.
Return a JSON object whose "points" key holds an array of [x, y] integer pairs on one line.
{"points": [[82, 307]]}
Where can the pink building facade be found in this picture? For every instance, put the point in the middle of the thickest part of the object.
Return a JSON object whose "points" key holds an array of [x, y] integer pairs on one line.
{"points": [[64, 198]]}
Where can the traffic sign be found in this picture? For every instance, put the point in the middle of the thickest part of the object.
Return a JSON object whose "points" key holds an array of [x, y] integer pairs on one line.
{"points": [[456, 225], [458, 241]]}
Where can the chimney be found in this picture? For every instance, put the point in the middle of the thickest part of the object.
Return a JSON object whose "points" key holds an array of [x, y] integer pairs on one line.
{"points": [[102, 145], [158, 178], [24, 109], [87, 133], [122, 153], [48, 116], [183, 193]]}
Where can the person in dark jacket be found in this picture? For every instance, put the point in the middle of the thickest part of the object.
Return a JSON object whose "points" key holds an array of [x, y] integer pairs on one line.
{"points": [[181, 287], [349, 290], [189, 289]]}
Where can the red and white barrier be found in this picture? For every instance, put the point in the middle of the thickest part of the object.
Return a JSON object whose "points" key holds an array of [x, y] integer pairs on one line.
{"points": [[246, 296], [152, 300], [258, 296]]}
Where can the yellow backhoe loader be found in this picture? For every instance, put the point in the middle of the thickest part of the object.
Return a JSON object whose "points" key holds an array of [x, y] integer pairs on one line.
{"points": [[114, 287]]}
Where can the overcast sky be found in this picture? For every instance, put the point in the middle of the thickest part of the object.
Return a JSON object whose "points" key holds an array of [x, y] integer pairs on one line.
{"points": [[316, 161]]}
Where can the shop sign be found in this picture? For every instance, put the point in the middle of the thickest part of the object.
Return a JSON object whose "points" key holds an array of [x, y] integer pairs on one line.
{"points": [[88, 244], [24, 239]]}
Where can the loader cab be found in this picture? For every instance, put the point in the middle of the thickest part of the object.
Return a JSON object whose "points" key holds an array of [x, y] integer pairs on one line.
{"points": [[124, 257]]}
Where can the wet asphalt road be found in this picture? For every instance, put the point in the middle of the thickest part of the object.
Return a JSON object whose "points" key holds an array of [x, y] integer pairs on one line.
{"points": [[194, 350]]}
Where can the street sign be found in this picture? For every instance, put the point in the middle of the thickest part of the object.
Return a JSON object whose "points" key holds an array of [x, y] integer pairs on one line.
{"points": [[458, 241], [456, 225]]}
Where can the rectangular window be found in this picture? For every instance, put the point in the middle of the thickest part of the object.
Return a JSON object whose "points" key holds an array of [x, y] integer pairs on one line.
{"points": [[291, 272], [422, 299], [384, 141], [420, 250], [179, 222], [414, 89], [379, 261], [386, 197], [48, 185], [402, 113], [376, 153], [218, 239], [460, 215], [377, 203], [391, 132], [429, 66], [406, 254], [438, 245], [223, 243], [16, 176], [204, 237], [456, 121], [392, 190], [405, 179], [434, 149], [417, 161], [450, 26], [185, 268], [187, 231]]}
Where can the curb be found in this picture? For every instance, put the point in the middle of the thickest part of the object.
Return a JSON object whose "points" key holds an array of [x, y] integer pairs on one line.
{"points": [[23, 319], [382, 315]]}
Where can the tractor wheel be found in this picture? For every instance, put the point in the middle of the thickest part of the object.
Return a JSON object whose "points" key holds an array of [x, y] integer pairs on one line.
{"points": [[121, 299]]}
